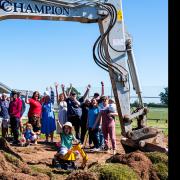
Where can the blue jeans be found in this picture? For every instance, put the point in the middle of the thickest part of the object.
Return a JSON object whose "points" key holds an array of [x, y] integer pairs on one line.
{"points": [[101, 138], [94, 134]]}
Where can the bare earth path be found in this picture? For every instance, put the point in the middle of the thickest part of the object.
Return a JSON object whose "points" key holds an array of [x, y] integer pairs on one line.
{"points": [[43, 153]]}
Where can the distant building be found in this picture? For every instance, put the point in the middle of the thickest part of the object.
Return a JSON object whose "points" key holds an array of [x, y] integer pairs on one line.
{"points": [[5, 89]]}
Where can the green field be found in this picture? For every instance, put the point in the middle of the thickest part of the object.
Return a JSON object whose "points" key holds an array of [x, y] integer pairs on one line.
{"points": [[157, 117]]}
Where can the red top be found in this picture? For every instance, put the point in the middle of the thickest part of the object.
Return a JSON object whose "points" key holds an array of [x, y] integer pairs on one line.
{"points": [[35, 108], [15, 108], [42, 100]]}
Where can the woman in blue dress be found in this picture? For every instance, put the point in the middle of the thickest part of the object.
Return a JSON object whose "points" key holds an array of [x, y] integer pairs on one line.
{"points": [[48, 118]]}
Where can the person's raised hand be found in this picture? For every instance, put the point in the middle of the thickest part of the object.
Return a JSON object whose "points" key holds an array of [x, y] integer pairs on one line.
{"points": [[62, 86], [89, 86], [56, 84]]}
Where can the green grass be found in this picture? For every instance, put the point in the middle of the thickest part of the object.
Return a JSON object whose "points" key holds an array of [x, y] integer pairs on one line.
{"points": [[115, 172], [160, 164], [157, 157], [12, 159], [154, 113]]}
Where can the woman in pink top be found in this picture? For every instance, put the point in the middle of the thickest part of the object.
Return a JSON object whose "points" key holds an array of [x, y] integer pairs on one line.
{"points": [[34, 114]]}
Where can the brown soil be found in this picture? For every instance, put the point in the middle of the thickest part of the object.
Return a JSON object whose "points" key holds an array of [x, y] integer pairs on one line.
{"points": [[21, 176], [43, 153], [138, 161], [80, 175], [16, 169], [40, 156], [35, 162]]}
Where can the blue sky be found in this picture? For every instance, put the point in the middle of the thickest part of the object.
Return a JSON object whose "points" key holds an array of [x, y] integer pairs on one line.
{"points": [[35, 54]]}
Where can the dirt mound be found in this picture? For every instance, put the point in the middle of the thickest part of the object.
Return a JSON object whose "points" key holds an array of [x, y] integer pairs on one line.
{"points": [[9, 162], [138, 161], [12, 167], [81, 175], [5, 146], [21, 176]]}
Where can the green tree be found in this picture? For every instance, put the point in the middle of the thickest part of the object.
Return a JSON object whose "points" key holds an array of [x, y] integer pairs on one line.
{"points": [[135, 104], [164, 96], [74, 90]]}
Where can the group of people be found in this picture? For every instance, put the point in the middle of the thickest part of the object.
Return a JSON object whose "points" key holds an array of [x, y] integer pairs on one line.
{"points": [[95, 117]]}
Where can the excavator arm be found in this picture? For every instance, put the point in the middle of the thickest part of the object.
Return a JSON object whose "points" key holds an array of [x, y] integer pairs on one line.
{"points": [[112, 52]]}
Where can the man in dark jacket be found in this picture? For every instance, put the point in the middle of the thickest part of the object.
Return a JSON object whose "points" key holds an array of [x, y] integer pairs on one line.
{"points": [[4, 105], [74, 112]]}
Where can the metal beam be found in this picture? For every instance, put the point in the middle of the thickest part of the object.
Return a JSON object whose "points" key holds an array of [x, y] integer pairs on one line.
{"points": [[37, 10]]}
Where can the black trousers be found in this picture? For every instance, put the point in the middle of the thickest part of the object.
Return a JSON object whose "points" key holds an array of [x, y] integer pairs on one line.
{"points": [[84, 130], [75, 120], [14, 122]]}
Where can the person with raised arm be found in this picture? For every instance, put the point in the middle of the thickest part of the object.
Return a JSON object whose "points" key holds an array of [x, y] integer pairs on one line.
{"points": [[62, 114], [82, 99], [52, 95], [48, 118], [102, 88], [35, 110], [97, 95], [74, 111], [64, 92], [68, 92]]}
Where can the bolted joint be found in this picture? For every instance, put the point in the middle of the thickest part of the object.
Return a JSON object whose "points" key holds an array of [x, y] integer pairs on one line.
{"points": [[127, 119], [129, 134], [142, 143], [128, 44], [146, 110]]}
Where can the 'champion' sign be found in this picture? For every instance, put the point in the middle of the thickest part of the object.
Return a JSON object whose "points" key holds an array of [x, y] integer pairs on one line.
{"points": [[32, 8]]}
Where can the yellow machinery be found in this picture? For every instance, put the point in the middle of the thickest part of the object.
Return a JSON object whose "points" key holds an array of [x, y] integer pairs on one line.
{"points": [[67, 161]]}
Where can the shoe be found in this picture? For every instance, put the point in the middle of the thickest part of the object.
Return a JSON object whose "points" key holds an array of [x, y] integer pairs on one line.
{"points": [[92, 147], [106, 148], [102, 148], [95, 150], [16, 142]]}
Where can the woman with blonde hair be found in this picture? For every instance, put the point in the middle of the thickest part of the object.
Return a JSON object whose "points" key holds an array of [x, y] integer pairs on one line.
{"points": [[62, 114]]}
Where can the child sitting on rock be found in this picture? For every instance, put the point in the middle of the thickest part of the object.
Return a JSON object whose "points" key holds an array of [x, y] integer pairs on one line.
{"points": [[28, 135]]}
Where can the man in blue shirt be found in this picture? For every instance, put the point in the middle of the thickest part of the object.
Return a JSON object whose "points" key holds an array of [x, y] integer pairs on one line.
{"points": [[4, 105]]}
